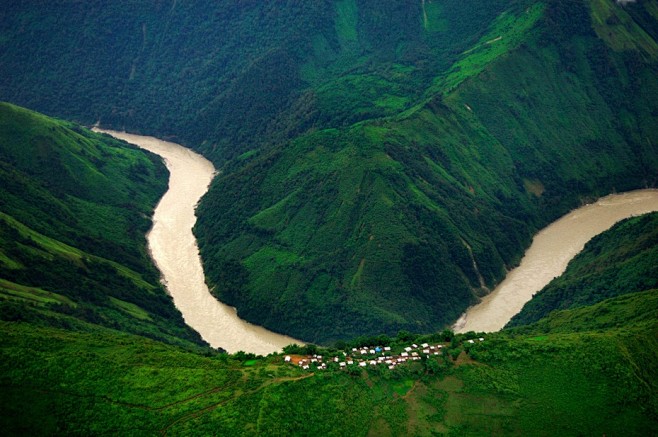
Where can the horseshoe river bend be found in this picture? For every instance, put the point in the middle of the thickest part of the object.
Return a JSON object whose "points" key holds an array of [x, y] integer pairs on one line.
{"points": [[175, 252]]}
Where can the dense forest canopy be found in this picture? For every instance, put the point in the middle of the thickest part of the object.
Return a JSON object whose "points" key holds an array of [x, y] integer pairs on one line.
{"points": [[383, 163]]}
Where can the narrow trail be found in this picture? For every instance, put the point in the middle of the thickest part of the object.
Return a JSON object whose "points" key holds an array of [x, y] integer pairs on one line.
{"points": [[425, 20], [483, 284]]}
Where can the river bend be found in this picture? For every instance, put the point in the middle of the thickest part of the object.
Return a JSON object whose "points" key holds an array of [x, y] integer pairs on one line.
{"points": [[550, 252], [175, 252]]}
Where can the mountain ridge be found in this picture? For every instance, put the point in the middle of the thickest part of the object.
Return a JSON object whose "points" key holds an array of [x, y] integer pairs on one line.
{"points": [[463, 179]]}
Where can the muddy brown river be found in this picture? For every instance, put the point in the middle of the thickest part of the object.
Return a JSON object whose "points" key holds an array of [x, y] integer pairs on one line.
{"points": [[174, 250], [551, 250]]}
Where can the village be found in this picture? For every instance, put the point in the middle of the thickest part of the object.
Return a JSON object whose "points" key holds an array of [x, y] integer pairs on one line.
{"points": [[371, 356]]}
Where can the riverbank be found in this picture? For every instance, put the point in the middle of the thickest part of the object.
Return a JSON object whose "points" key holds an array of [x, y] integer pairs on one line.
{"points": [[175, 252], [551, 250]]}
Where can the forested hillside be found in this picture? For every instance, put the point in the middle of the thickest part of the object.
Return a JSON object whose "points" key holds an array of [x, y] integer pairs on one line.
{"points": [[74, 211], [399, 223], [227, 76], [383, 162]]}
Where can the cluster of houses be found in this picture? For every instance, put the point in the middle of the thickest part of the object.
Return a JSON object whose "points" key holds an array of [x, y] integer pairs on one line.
{"points": [[370, 356]]}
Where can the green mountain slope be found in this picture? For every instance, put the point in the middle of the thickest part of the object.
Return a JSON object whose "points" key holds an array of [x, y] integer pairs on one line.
{"points": [[230, 75], [401, 222], [74, 210], [383, 162], [623, 260], [386, 170], [631, 310], [567, 384], [588, 370]]}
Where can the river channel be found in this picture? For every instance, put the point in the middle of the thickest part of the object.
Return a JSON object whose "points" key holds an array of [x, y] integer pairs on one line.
{"points": [[550, 252], [174, 250]]}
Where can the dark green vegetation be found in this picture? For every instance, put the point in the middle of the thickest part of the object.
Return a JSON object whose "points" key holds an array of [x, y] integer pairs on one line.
{"points": [[400, 222], [230, 75], [624, 260], [74, 209], [383, 161]]}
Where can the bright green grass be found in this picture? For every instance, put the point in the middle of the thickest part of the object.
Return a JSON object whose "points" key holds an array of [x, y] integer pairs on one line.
{"points": [[101, 380], [277, 256], [49, 245], [131, 309], [402, 387], [270, 218], [56, 248], [248, 154], [8, 262], [507, 32], [11, 290], [392, 103], [355, 97]]}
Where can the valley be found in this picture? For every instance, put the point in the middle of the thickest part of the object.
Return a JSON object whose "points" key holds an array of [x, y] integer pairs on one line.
{"points": [[347, 178], [174, 250]]}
